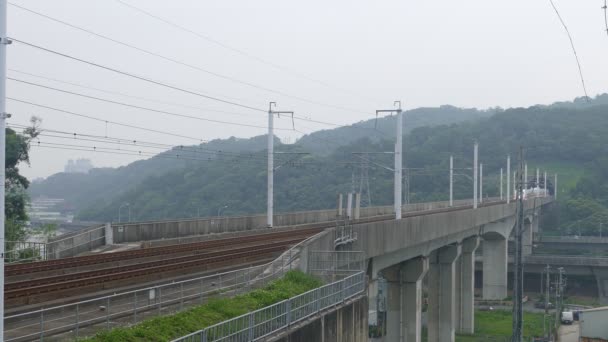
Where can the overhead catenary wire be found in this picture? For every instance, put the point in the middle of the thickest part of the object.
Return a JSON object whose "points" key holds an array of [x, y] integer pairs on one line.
{"points": [[578, 63], [103, 120], [125, 95], [138, 107], [188, 149], [296, 117], [141, 143], [240, 51], [131, 75], [188, 65]]}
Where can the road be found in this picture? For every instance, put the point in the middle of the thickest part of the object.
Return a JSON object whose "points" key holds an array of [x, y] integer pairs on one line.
{"points": [[569, 333]]}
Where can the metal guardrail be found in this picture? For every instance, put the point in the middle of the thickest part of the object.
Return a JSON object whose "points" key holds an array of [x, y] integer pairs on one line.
{"points": [[263, 322], [73, 243], [20, 251]]}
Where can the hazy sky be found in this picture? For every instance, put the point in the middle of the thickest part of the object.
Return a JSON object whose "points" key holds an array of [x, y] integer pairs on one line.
{"points": [[470, 53]]}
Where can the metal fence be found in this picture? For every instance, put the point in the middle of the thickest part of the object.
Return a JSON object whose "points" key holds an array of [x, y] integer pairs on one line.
{"points": [[335, 263], [73, 244], [20, 251], [263, 322]]}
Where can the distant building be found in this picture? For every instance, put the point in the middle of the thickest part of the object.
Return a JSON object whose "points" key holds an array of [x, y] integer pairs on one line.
{"points": [[593, 325], [78, 166]]}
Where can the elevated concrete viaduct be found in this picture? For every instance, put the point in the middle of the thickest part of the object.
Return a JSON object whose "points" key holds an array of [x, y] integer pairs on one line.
{"points": [[439, 247]]}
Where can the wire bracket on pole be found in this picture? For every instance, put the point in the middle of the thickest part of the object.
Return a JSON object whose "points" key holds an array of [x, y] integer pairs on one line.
{"points": [[5, 115], [6, 41]]}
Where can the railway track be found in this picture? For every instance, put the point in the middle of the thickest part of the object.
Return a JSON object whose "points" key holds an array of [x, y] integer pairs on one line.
{"points": [[47, 265], [210, 259], [198, 258]]}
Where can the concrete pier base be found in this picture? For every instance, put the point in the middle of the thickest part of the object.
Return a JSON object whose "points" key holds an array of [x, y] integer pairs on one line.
{"points": [[465, 287], [494, 267], [441, 310], [404, 300], [412, 273]]}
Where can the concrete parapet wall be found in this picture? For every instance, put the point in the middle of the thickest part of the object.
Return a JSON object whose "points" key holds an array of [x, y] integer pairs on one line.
{"points": [[145, 231]]}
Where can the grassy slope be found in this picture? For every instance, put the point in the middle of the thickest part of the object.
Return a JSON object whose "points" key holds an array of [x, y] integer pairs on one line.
{"points": [[498, 324], [166, 328], [567, 173]]}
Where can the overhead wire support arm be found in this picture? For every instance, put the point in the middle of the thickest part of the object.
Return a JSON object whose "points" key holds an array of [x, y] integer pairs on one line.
{"points": [[270, 169], [398, 170]]}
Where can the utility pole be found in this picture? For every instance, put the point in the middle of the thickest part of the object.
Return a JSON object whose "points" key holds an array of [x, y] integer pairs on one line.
{"points": [[518, 269], [398, 157], [537, 178], [555, 187], [547, 288], [509, 179], [547, 295], [480, 183], [545, 185], [475, 152], [525, 176], [501, 198], [4, 41], [451, 181], [270, 170]]}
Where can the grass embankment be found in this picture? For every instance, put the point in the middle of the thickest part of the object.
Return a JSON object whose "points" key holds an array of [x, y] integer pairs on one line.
{"points": [[166, 328], [498, 325]]}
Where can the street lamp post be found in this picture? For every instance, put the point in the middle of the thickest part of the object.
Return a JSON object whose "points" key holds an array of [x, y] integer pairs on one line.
{"points": [[120, 208]]}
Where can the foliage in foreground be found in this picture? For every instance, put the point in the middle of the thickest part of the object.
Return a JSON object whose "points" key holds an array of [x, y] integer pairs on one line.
{"points": [[166, 328]]}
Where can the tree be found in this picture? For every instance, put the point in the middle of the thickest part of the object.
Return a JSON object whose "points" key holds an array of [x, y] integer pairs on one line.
{"points": [[17, 151]]}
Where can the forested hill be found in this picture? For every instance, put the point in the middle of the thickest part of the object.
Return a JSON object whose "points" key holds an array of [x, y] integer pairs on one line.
{"points": [[571, 137], [102, 185]]}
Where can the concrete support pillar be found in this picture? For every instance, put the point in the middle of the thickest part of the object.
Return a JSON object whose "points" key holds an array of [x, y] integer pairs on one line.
{"points": [[404, 300], [393, 304], [349, 206], [412, 273], [109, 234], [495, 268], [441, 310], [357, 205], [465, 287], [601, 276], [372, 293]]}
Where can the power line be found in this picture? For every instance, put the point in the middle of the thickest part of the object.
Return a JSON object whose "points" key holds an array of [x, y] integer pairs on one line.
{"points": [[580, 71], [102, 120], [238, 51], [136, 142], [96, 149], [136, 106], [141, 78], [123, 94], [215, 74], [178, 104]]}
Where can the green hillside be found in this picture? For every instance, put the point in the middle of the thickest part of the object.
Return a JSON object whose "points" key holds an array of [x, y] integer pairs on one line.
{"points": [[567, 138]]}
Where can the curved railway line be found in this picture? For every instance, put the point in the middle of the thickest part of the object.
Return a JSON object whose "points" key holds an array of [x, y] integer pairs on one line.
{"points": [[157, 262], [189, 257]]}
